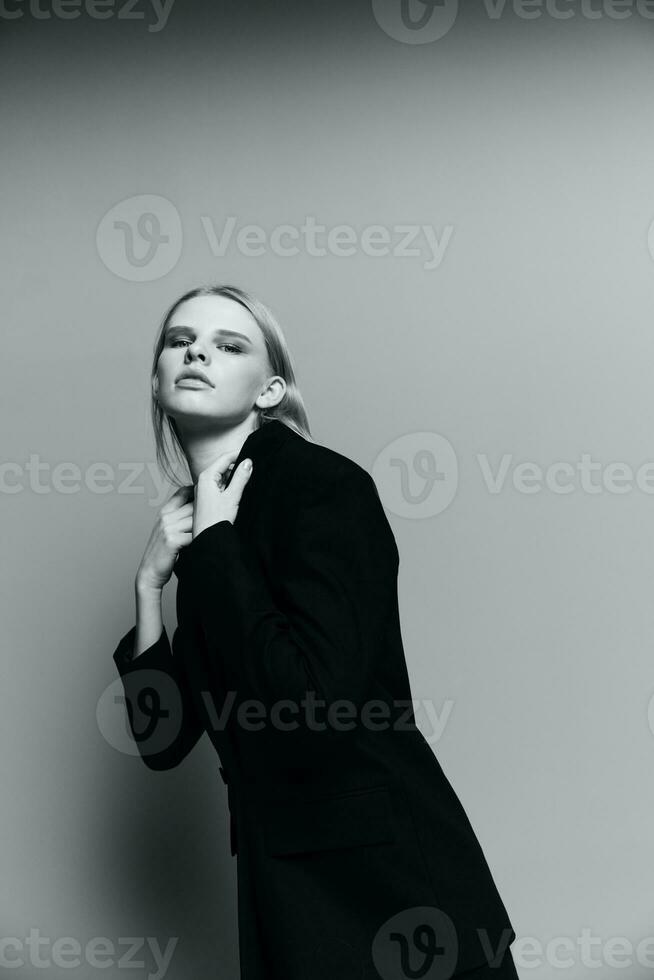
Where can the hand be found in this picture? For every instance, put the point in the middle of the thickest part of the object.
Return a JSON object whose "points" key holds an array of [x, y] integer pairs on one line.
{"points": [[171, 532], [213, 501]]}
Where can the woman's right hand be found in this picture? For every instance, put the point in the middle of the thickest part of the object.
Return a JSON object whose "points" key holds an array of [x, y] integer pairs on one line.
{"points": [[173, 530]]}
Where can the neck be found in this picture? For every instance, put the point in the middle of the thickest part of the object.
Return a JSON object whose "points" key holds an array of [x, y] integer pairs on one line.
{"points": [[203, 447]]}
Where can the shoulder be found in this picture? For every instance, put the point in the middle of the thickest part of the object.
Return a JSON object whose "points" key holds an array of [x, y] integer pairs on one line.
{"points": [[337, 489], [325, 491], [311, 464]]}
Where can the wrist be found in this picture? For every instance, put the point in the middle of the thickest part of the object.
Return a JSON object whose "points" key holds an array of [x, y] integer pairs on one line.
{"points": [[147, 590]]}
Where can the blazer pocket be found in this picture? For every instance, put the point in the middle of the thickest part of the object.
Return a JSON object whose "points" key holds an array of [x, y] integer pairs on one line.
{"points": [[341, 820]]}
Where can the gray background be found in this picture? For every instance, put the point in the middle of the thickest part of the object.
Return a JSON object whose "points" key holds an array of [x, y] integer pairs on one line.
{"points": [[529, 614]]}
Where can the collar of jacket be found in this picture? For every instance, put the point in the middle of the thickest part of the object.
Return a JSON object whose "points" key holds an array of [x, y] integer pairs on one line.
{"points": [[260, 446]]}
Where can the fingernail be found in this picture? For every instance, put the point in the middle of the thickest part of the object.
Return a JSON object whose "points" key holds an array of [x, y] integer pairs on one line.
{"points": [[247, 465]]}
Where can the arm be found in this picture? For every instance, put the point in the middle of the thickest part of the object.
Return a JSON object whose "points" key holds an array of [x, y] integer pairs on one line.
{"points": [[338, 577], [160, 712], [149, 622]]}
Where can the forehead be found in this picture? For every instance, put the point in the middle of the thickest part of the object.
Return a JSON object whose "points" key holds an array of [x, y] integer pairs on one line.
{"points": [[208, 313]]}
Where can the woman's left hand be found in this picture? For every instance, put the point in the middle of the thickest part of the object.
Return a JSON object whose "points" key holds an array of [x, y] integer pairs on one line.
{"points": [[213, 501]]}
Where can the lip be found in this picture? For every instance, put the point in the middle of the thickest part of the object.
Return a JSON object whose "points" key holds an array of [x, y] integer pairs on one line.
{"points": [[193, 383], [195, 374]]}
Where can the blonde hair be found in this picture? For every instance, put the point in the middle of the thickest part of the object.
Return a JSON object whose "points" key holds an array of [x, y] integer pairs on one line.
{"points": [[290, 410]]}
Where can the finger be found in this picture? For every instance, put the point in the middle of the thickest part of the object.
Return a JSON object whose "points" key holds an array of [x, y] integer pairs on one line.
{"points": [[220, 466], [184, 509], [241, 476], [182, 539], [182, 520], [180, 495]]}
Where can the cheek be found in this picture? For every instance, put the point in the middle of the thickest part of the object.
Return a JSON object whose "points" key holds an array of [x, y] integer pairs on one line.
{"points": [[168, 364], [238, 377]]}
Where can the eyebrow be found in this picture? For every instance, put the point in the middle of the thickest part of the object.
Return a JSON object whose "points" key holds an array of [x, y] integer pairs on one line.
{"points": [[222, 331]]}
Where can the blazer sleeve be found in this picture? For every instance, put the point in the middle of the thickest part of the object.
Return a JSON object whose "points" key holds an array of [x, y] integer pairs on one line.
{"points": [[160, 713], [337, 585]]}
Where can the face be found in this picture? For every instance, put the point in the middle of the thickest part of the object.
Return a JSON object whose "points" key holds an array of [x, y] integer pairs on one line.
{"points": [[219, 338]]}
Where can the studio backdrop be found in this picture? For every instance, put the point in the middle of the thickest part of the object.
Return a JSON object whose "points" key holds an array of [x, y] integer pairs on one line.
{"points": [[450, 212]]}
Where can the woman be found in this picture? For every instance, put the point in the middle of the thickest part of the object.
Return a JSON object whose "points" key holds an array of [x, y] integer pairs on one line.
{"points": [[355, 858]]}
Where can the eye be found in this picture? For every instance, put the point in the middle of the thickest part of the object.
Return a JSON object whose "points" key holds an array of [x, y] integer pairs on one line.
{"points": [[181, 340]]}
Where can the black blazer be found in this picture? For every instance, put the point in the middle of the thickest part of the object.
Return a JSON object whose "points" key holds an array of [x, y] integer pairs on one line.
{"points": [[343, 823]]}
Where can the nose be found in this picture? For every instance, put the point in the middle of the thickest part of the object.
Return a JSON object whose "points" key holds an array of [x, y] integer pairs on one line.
{"points": [[195, 350]]}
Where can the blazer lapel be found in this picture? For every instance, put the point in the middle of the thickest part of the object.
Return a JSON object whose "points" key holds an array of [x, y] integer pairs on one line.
{"points": [[260, 446]]}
